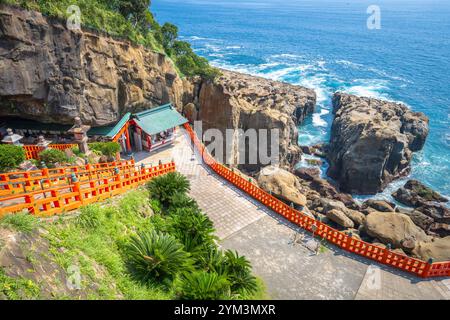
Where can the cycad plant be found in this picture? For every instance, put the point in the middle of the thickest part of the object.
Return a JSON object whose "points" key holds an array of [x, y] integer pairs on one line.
{"points": [[156, 256], [239, 272], [181, 200], [163, 188], [201, 285], [193, 229]]}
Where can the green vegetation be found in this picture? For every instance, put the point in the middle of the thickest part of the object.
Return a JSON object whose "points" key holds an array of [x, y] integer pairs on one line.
{"points": [[130, 19], [108, 149], [10, 157], [23, 222], [17, 288], [52, 157], [134, 247], [157, 256], [164, 188]]}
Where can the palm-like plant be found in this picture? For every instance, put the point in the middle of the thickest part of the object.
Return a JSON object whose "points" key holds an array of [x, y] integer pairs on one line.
{"points": [[163, 188], [180, 200], [213, 261], [192, 228], [239, 272], [202, 285], [157, 256]]}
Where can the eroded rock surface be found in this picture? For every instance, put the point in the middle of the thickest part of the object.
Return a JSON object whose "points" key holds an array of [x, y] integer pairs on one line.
{"points": [[396, 229], [51, 74], [372, 142], [282, 184], [239, 101]]}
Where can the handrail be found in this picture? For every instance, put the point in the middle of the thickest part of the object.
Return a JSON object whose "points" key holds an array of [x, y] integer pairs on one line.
{"points": [[71, 196], [32, 151], [382, 255], [26, 181]]}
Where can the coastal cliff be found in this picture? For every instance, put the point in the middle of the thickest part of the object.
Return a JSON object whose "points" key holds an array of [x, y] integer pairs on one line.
{"points": [[51, 74]]}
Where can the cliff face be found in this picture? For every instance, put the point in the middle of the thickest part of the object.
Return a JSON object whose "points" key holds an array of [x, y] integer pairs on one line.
{"points": [[372, 142], [239, 101], [51, 74]]}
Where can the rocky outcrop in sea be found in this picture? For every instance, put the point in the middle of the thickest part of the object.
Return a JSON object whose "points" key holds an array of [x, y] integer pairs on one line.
{"points": [[372, 142]]}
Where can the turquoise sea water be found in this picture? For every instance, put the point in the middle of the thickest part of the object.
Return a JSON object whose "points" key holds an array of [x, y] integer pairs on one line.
{"points": [[326, 45]]}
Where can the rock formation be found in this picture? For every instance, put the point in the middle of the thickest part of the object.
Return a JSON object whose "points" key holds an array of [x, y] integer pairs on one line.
{"points": [[372, 142], [430, 212], [239, 101], [438, 250], [51, 74], [395, 229], [416, 194], [282, 184]]}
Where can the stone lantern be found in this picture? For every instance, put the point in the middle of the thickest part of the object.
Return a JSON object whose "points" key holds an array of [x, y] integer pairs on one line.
{"points": [[79, 132], [12, 138], [42, 142]]}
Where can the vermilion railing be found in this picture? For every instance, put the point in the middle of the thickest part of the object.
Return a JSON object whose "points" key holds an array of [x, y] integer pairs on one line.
{"points": [[340, 239], [32, 151], [13, 183], [82, 188]]}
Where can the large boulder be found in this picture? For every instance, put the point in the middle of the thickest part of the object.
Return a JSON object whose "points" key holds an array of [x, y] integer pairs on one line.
{"points": [[379, 205], [372, 142], [356, 217], [396, 229], [421, 220], [438, 249], [340, 218], [282, 184], [416, 194]]}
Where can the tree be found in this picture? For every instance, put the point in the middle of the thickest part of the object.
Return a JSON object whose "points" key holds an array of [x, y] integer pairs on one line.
{"points": [[134, 10], [182, 48], [170, 34]]}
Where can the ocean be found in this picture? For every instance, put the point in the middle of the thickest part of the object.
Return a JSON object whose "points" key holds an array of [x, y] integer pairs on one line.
{"points": [[327, 46]]}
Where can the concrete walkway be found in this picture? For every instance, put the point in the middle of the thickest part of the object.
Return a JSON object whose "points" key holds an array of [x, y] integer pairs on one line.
{"points": [[281, 253]]}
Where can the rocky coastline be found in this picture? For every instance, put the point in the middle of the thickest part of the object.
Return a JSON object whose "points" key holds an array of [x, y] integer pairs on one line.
{"points": [[51, 74]]}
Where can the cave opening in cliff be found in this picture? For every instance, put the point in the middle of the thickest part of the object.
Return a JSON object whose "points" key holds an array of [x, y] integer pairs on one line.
{"points": [[32, 129]]}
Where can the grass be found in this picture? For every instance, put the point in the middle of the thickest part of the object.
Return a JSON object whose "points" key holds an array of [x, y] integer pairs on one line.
{"points": [[95, 242], [22, 222], [17, 288]]}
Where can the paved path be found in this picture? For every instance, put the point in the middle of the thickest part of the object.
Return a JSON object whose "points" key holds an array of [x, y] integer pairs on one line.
{"points": [[281, 253]]}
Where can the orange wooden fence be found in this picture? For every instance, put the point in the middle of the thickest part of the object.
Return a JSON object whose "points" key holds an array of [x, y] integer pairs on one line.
{"points": [[81, 188], [27, 181], [32, 151], [340, 239]]}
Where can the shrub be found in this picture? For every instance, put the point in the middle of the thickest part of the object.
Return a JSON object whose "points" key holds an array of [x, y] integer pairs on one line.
{"points": [[193, 229], [202, 285], [108, 149], [181, 200], [239, 273], [156, 256], [51, 157], [10, 157], [163, 188]]}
